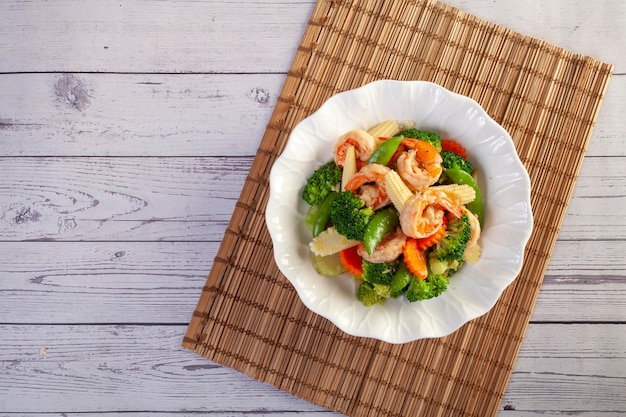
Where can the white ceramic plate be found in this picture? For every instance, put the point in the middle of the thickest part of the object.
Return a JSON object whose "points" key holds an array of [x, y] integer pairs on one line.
{"points": [[504, 183]]}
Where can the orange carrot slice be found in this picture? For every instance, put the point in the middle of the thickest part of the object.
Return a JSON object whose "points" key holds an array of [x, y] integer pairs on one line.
{"points": [[352, 261], [427, 242], [453, 146], [415, 259]]}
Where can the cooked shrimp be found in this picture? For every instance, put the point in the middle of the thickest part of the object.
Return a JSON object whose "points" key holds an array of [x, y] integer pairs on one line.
{"points": [[369, 184], [423, 214], [387, 250], [364, 144], [419, 165]]}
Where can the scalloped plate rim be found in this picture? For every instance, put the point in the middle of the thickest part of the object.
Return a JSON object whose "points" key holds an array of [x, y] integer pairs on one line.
{"points": [[296, 267]]}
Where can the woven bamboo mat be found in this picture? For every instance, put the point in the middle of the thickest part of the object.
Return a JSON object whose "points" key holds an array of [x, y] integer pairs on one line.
{"points": [[249, 317]]}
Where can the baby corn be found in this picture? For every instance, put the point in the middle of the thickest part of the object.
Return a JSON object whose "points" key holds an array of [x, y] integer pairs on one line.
{"points": [[461, 194], [397, 190], [385, 129], [349, 167], [330, 242]]}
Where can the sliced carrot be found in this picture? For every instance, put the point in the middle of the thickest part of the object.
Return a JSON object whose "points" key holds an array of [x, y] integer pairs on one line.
{"points": [[415, 259], [352, 261], [427, 242], [453, 146]]}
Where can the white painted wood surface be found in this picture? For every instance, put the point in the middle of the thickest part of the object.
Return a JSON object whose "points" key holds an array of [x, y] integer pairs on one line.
{"points": [[126, 131]]}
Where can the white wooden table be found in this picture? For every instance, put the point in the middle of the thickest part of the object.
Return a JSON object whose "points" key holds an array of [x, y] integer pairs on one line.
{"points": [[126, 132]]}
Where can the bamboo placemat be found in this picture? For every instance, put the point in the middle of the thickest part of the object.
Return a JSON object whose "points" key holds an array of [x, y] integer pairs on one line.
{"points": [[249, 317]]}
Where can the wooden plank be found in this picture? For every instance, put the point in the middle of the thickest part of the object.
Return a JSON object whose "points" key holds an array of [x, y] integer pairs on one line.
{"points": [[178, 199], [135, 115], [144, 36], [119, 199], [121, 368], [160, 114], [147, 282], [608, 137], [142, 368], [507, 411], [595, 210], [566, 357], [256, 413], [148, 36], [160, 282]]}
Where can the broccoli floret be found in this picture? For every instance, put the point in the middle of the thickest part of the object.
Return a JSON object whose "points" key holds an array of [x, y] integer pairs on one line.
{"points": [[438, 283], [383, 291], [419, 289], [430, 137], [455, 161], [379, 274], [321, 182], [423, 289], [446, 256], [350, 216], [368, 295]]}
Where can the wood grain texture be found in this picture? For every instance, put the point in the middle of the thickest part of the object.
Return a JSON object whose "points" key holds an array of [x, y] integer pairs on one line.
{"points": [[175, 115], [509, 412], [106, 369], [595, 211], [148, 199], [120, 368], [146, 36], [158, 282], [154, 282], [209, 36], [260, 412], [135, 114], [193, 198]]}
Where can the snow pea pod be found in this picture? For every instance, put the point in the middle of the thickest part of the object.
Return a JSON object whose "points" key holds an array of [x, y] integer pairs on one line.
{"points": [[311, 215], [322, 214], [400, 280], [383, 222], [461, 177], [383, 154]]}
